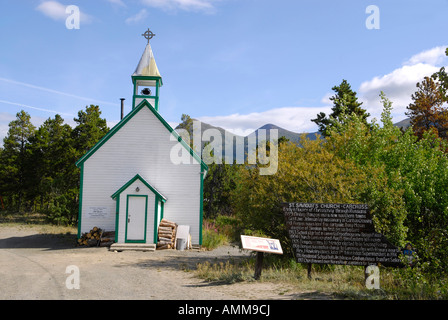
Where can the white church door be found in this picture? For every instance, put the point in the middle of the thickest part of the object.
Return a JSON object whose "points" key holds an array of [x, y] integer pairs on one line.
{"points": [[136, 218]]}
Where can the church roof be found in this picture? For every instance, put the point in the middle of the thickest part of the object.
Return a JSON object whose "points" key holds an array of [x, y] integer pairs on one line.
{"points": [[147, 66], [129, 116]]}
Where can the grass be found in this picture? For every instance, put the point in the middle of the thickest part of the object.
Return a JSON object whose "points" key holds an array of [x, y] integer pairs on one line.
{"points": [[346, 282], [342, 282], [36, 221]]}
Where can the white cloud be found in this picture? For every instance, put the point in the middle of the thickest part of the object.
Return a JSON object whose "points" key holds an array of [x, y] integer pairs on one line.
{"points": [[187, 5], [326, 98], [173, 124], [400, 84], [141, 15], [53, 9], [435, 56], [296, 119], [57, 11], [117, 2]]}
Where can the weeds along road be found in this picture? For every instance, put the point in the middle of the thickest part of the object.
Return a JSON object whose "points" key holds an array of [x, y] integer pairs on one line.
{"points": [[36, 266]]}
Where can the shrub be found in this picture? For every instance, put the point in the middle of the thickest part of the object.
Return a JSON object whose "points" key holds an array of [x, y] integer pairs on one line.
{"points": [[211, 237]]}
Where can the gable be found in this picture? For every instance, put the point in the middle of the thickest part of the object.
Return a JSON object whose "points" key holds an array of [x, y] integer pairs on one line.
{"points": [[125, 120], [138, 177]]}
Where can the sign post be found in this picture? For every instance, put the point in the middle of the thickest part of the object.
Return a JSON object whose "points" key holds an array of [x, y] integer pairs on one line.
{"points": [[258, 265], [260, 245]]}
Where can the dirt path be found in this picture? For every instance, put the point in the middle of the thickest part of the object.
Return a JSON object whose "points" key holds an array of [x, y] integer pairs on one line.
{"points": [[33, 266]]}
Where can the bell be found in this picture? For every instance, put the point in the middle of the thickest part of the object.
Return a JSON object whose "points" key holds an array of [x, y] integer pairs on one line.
{"points": [[146, 92]]}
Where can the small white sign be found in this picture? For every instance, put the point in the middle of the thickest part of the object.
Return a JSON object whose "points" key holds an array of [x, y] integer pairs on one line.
{"points": [[261, 244], [98, 212]]}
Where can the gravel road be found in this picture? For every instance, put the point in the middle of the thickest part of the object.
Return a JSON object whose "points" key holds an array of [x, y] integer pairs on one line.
{"points": [[33, 266]]}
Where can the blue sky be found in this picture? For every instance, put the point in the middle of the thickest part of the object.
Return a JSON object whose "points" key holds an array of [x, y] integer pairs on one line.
{"points": [[238, 64]]}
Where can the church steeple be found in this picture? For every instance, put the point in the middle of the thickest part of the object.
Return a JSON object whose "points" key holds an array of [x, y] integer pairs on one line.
{"points": [[146, 78]]}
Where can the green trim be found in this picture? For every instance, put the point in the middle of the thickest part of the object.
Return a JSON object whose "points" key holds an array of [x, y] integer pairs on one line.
{"points": [[201, 214], [153, 78], [125, 120], [80, 200], [156, 101], [156, 212], [135, 95], [117, 218], [157, 217], [146, 97], [127, 213], [157, 196], [106, 137], [138, 177]]}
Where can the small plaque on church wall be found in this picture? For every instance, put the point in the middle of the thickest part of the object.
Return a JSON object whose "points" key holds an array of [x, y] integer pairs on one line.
{"points": [[343, 234], [98, 212]]}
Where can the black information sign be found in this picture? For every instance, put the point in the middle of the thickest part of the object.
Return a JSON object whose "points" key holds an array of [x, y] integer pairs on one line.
{"points": [[325, 233]]}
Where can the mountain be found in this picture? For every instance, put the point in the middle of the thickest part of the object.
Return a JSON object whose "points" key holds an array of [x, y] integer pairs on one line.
{"points": [[403, 124], [291, 136], [240, 145]]}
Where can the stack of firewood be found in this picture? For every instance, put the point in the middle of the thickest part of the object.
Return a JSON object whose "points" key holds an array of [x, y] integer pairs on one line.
{"points": [[90, 238], [166, 235], [96, 237], [107, 238]]}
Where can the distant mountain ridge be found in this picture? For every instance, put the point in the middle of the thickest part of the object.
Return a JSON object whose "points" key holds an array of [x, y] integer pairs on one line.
{"points": [[234, 140], [404, 124], [290, 135]]}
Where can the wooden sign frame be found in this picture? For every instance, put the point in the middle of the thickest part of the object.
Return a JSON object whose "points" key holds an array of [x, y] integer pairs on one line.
{"points": [[261, 246]]}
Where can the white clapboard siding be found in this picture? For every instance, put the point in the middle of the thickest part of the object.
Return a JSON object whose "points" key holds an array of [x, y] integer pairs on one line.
{"points": [[142, 146], [139, 100]]}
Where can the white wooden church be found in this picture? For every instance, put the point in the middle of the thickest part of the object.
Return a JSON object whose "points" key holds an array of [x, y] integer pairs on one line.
{"points": [[129, 181]]}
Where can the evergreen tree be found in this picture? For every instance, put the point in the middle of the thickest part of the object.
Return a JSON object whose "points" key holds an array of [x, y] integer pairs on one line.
{"points": [[187, 123], [14, 165], [89, 130], [442, 76], [427, 112], [218, 186], [52, 156], [345, 98]]}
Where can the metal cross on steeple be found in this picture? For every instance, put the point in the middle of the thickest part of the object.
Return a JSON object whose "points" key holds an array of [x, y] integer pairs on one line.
{"points": [[148, 35]]}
